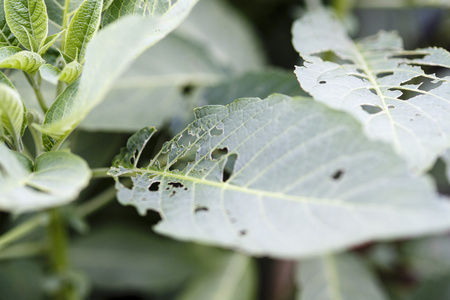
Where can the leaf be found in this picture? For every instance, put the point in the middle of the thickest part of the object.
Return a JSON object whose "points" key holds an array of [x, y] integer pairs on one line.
{"points": [[302, 180], [7, 38], [32, 275], [333, 277], [437, 288], [82, 29], [55, 9], [71, 72], [15, 58], [12, 113], [27, 18], [49, 41], [129, 155], [379, 83], [57, 179], [234, 279], [107, 56]]}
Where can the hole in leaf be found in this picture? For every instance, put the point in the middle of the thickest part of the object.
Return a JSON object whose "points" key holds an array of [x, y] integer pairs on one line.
{"points": [[373, 91], [201, 208], [217, 154], [371, 109], [187, 89], [322, 82], [215, 131], [176, 184], [229, 167], [418, 115], [172, 194], [36, 189], [154, 187], [384, 74], [338, 174], [391, 106], [243, 232]]}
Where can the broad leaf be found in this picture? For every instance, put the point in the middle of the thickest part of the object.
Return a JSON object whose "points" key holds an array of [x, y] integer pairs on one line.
{"points": [[11, 114], [69, 74], [57, 179], [121, 8], [27, 18], [55, 9], [281, 176], [49, 41], [107, 56], [380, 83], [15, 58], [82, 29], [333, 277], [7, 38]]}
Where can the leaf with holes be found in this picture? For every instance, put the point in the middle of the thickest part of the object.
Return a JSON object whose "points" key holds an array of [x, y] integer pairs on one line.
{"points": [[56, 179], [108, 54], [380, 83], [341, 276], [28, 21], [15, 58], [82, 29], [282, 176]]}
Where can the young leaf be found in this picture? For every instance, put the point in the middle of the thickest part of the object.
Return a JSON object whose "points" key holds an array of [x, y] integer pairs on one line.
{"points": [[281, 176], [380, 83], [7, 38], [27, 18], [107, 56], [11, 114], [49, 41], [57, 179], [341, 276], [55, 9], [71, 72], [50, 73], [121, 8], [15, 58], [82, 28]]}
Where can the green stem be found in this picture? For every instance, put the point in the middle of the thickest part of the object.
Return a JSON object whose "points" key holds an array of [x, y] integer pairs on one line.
{"points": [[96, 203], [23, 229], [58, 254], [23, 250], [100, 173], [37, 92]]}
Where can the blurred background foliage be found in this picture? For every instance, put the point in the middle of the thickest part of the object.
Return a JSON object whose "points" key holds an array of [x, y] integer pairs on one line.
{"points": [[225, 50]]}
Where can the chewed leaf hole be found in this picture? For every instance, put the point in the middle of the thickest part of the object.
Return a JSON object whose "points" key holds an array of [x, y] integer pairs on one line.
{"points": [[217, 154], [384, 74], [391, 106], [187, 89], [216, 131], [338, 174], [322, 82], [243, 232], [201, 208], [229, 167], [176, 184], [154, 187], [371, 109]]}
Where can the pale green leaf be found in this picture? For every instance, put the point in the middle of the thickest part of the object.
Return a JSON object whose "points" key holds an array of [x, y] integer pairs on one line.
{"points": [[107, 56], [12, 113], [26, 17], [49, 41], [50, 73], [304, 180], [57, 179], [337, 277], [15, 58], [234, 279], [7, 38], [379, 83], [71, 72], [82, 28]]}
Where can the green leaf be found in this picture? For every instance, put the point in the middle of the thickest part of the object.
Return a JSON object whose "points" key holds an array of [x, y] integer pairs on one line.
{"points": [[50, 73], [379, 83], [333, 277], [129, 155], [437, 288], [27, 18], [57, 179], [15, 58], [82, 29], [12, 113], [31, 274], [281, 176], [107, 56], [233, 279], [7, 38], [71, 72], [49, 41], [55, 9]]}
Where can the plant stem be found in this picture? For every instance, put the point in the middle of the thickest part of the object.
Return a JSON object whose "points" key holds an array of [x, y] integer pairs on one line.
{"points": [[23, 229], [58, 254], [97, 202], [100, 173], [23, 250], [37, 92]]}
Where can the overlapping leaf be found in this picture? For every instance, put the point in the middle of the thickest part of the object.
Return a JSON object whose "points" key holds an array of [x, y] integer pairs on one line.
{"points": [[11, 114], [107, 56], [56, 179], [7, 38], [15, 58], [281, 176], [380, 83], [333, 277]]}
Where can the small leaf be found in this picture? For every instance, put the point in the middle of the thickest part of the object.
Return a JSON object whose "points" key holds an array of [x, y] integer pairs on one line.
{"points": [[12, 114], [262, 176], [27, 18], [71, 72], [15, 58], [49, 41], [50, 73], [7, 38], [57, 179], [82, 28], [129, 155], [341, 276]]}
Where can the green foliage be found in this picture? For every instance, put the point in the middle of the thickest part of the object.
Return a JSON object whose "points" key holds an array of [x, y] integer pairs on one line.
{"points": [[15, 58], [12, 113]]}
